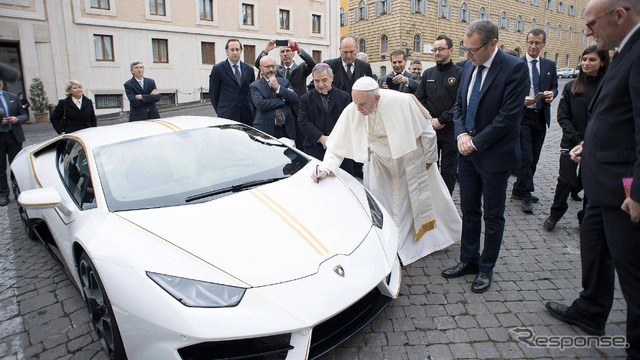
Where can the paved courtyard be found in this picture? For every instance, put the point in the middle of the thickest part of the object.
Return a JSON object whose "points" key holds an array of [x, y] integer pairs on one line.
{"points": [[42, 315]]}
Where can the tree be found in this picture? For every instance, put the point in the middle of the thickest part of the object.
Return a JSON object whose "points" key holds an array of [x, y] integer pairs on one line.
{"points": [[38, 97]]}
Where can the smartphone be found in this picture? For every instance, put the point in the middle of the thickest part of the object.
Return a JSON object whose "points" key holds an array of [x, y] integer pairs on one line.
{"points": [[539, 96], [282, 42], [565, 151], [391, 85]]}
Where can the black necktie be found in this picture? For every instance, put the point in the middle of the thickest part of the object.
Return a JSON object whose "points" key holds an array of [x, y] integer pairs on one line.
{"points": [[472, 107], [287, 73], [236, 72], [325, 101], [349, 73]]}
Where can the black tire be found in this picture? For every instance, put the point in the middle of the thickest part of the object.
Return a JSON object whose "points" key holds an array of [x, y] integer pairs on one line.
{"points": [[24, 218], [100, 311]]}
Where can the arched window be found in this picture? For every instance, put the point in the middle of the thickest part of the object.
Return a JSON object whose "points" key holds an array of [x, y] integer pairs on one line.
{"points": [[566, 60], [519, 24], [384, 44], [383, 70], [556, 58], [444, 10], [545, 55], [504, 22], [569, 34], [582, 36], [533, 23], [583, 12], [462, 53], [482, 14], [546, 28], [362, 11], [343, 17], [549, 4], [572, 10], [561, 7], [559, 32], [463, 13], [518, 51], [417, 44], [362, 45]]}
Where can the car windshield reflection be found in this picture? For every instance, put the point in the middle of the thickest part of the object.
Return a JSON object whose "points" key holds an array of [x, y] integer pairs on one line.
{"points": [[195, 165]]}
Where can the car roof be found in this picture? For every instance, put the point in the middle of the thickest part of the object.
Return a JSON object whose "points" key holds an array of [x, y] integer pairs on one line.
{"points": [[104, 135]]}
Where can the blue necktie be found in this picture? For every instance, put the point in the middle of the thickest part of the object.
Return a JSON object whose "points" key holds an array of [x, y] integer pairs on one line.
{"points": [[236, 72], [4, 128], [536, 81], [472, 107]]}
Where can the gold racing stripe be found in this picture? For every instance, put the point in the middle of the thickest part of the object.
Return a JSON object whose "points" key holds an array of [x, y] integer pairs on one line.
{"points": [[167, 124], [290, 220]]}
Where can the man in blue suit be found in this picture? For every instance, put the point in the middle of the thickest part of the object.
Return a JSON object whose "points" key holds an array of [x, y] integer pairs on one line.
{"points": [[536, 117], [610, 231], [142, 93], [229, 85], [486, 117], [273, 98]]}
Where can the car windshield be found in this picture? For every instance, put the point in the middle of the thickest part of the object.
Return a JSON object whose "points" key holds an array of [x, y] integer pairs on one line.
{"points": [[191, 166]]}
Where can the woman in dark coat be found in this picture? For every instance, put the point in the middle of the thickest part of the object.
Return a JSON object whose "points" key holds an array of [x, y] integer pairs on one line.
{"points": [[75, 112], [572, 117]]}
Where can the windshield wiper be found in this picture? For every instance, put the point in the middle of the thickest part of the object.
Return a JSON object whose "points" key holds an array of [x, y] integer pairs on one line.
{"points": [[233, 188]]}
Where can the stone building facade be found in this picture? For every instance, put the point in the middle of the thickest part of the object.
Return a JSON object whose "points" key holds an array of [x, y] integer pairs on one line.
{"points": [[384, 25]]}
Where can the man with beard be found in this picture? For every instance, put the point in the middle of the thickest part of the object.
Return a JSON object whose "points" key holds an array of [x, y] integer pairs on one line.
{"points": [[437, 93], [400, 79]]}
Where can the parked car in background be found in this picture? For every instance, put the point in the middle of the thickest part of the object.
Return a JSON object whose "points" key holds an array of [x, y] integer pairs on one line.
{"points": [[567, 73]]}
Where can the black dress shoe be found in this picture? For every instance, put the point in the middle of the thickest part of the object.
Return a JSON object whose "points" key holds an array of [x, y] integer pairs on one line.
{"points": [[4, 200], [527, 207], [462, 268], [575, 196], [534, 199], [550, 224], [482, 281], [564, 313]]}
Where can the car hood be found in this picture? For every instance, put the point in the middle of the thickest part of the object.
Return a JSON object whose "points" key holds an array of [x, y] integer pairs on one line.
{"points": [[269, 234]]}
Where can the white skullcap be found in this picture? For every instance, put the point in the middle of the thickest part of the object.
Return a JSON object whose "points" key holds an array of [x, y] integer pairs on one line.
{"points": [[365, 83]]}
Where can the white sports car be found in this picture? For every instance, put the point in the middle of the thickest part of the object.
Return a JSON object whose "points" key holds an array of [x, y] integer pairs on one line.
{"points": [[201, 238]]}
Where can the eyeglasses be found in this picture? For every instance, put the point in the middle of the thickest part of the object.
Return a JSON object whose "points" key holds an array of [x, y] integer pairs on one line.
{"points": [[593, 22], [536, 43], [440, 49], [473, 51]]}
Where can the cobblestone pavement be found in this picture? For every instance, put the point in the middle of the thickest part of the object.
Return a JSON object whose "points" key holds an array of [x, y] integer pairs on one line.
{"points": [[42, 315]]}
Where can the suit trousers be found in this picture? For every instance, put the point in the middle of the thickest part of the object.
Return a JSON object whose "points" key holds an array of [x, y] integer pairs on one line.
{"points": [[448, 159], [9, 148], [568, 182], [608, 237], [478, 187], [532, 133]]}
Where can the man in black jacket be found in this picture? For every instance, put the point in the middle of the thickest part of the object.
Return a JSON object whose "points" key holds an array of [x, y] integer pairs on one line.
{"points": [[437, 92]]}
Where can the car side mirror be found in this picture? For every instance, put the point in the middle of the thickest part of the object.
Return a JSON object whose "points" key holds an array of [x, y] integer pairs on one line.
{"points": [[40, 199]]}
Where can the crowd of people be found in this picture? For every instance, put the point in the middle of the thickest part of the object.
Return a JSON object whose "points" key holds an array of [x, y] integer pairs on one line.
{"points": [[413, 134]]}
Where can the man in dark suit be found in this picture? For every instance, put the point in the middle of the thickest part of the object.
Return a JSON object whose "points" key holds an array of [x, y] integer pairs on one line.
{"points": [[347, 69], [319, 111], [142, 94], [610, 231], [486, 116], [296, 74], [13, 115], [400, 79], [536, 117], [229, 86], [273, 99]]}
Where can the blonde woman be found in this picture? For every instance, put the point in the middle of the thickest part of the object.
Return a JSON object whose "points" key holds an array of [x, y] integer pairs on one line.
{"points": [[75, 112]]}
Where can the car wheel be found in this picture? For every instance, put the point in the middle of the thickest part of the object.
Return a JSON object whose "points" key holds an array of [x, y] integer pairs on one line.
{"points": [[100, 311], [24, 218]]}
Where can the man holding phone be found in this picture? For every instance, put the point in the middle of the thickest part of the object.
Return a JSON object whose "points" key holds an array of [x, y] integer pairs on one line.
{"points": [[543, 88], [400, 79]]}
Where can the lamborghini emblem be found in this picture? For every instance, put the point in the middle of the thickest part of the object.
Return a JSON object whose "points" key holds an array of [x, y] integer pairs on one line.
{"points": [[451, 80], [339, 270]]}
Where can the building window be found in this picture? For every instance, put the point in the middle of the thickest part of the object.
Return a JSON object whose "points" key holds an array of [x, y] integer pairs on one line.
{"points": [[566, 61], [100, 4], [572, 10], [582, 37], [444, 10], [343, 17], [519, 24], [362, 45], [361, 11], [383, 7], [208, 51], [419, 6], [549, 4], [247, 14], [384, 44], [482, 14], [547, 27], [160, 50], [463, 13], [249, 54], [535, 2], [316, 24], [462, 53], [317, 56], [206, 10], [157, 7], [559, 32], [104, 47], [533, 23], [108, 101], [284, 19], [556, 58], [583, 12], [383, 70], [417, 44], [569, 34], [504, 22], [561, 7]]}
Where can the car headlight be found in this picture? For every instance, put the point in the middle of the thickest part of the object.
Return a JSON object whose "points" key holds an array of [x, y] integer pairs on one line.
{"points": [[376, 213], [196, 293]]}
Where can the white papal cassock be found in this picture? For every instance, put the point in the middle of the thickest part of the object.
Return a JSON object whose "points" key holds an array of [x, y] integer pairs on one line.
{"points": [[395, 143]]}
